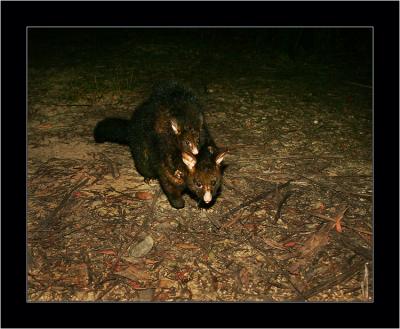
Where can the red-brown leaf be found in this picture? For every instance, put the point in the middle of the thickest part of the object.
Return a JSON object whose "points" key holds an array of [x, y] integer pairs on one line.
{"points": [[186, 246], [144, 195], [134, 284], [107, 252], [338, 226]]}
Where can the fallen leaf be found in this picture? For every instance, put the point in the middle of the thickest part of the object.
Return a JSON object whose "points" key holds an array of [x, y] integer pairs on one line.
{"points": [[44, 126], [133, 273], [146, 294], [273, 244], [165, 283], [183, 276], [294, 268], [250, 226], [315, 241], [338, 226], [244, 276], [186, 246], [134, 284], [339, 218], [204, 258], [260, 258], [290, 244], [107, 252], [142, 248], [162, 296], [319, 206], [77, 274], [151, 261], [144, 195]]}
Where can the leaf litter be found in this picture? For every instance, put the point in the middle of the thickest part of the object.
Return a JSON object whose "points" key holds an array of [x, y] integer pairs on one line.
{"points": [[292, 223]]}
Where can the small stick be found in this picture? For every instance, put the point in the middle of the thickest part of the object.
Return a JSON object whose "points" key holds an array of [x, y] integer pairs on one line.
{"points": [[68, 104], [278, 212], [255, 199], [336, 190], [147, 220], [112, 166], [300, 294], [341, 278], [122, 193], [307, 157], [77, 229], [86, 260], [358, 84], [334, 220], [63, 202], [233, 221], [364, 283], [362, 251]]}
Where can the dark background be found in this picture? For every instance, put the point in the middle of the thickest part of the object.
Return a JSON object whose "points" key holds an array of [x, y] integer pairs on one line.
{"points": [[297, 59], [297, 43]]}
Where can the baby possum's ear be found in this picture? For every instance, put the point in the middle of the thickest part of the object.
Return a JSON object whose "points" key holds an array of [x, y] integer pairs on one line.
{"points": [[175, 126], [220, 156], [189, 160]]}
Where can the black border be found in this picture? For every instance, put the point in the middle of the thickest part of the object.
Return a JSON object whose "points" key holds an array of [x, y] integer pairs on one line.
{"points": [[385, 19]]}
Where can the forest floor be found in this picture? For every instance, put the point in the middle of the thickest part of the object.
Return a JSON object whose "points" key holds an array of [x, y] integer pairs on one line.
{"points": [[293, 221]]}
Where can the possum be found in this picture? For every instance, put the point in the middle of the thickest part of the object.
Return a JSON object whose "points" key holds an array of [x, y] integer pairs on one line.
{"points": [[163, 131], [171, 115]]}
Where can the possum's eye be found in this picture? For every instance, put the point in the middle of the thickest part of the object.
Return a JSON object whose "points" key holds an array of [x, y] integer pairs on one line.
{"points": [[198, 184]]}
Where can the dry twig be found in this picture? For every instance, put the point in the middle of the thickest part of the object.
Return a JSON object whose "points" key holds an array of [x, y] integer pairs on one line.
{"points": [[257, 198], [62, 204], [281, 202], [341, 278], [334, 220]]}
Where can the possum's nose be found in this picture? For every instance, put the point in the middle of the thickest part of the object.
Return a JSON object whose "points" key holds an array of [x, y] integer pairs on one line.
{"points": [[207, 197], [195, 151]]}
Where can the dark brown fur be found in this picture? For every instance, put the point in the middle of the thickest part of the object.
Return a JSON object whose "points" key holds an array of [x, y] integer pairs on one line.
{"points": [[168, 123], [204, 173]]}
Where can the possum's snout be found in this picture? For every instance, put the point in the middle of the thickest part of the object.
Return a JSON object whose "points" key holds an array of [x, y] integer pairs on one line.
{"points": [[207, 197], [194, 149]]}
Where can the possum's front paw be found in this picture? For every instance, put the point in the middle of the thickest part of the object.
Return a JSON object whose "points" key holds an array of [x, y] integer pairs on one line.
{"points": [[149, 180], [177, 203]]}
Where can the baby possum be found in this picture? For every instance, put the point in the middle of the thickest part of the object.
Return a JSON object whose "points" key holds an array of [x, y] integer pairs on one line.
{"points": [[204, 176], [199, 175]]}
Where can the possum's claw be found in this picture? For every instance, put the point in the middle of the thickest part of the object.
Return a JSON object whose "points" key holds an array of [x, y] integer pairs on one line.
{"points": [[149, 180]]}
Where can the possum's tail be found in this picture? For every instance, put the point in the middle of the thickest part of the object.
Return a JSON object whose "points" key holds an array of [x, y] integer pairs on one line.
{"points": [[113, 130]]}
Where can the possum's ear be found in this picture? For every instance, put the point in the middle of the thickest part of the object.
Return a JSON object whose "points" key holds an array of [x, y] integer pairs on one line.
{"points": [[175, 126], [220, 156], [189, 160]]}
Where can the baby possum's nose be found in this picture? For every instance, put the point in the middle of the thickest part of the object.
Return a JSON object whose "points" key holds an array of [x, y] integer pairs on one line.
{"points": [[207, 197]]}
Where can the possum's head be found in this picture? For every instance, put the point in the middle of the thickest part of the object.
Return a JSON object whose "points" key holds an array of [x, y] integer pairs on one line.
{"points": [[204, 173], [188, 135]]}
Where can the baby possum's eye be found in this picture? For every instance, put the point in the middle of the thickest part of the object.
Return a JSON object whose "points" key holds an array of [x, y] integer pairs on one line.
{"points": [[198, 184]]}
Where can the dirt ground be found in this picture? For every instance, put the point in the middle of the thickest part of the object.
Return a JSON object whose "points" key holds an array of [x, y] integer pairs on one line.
{"points": [[293, 221]]}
